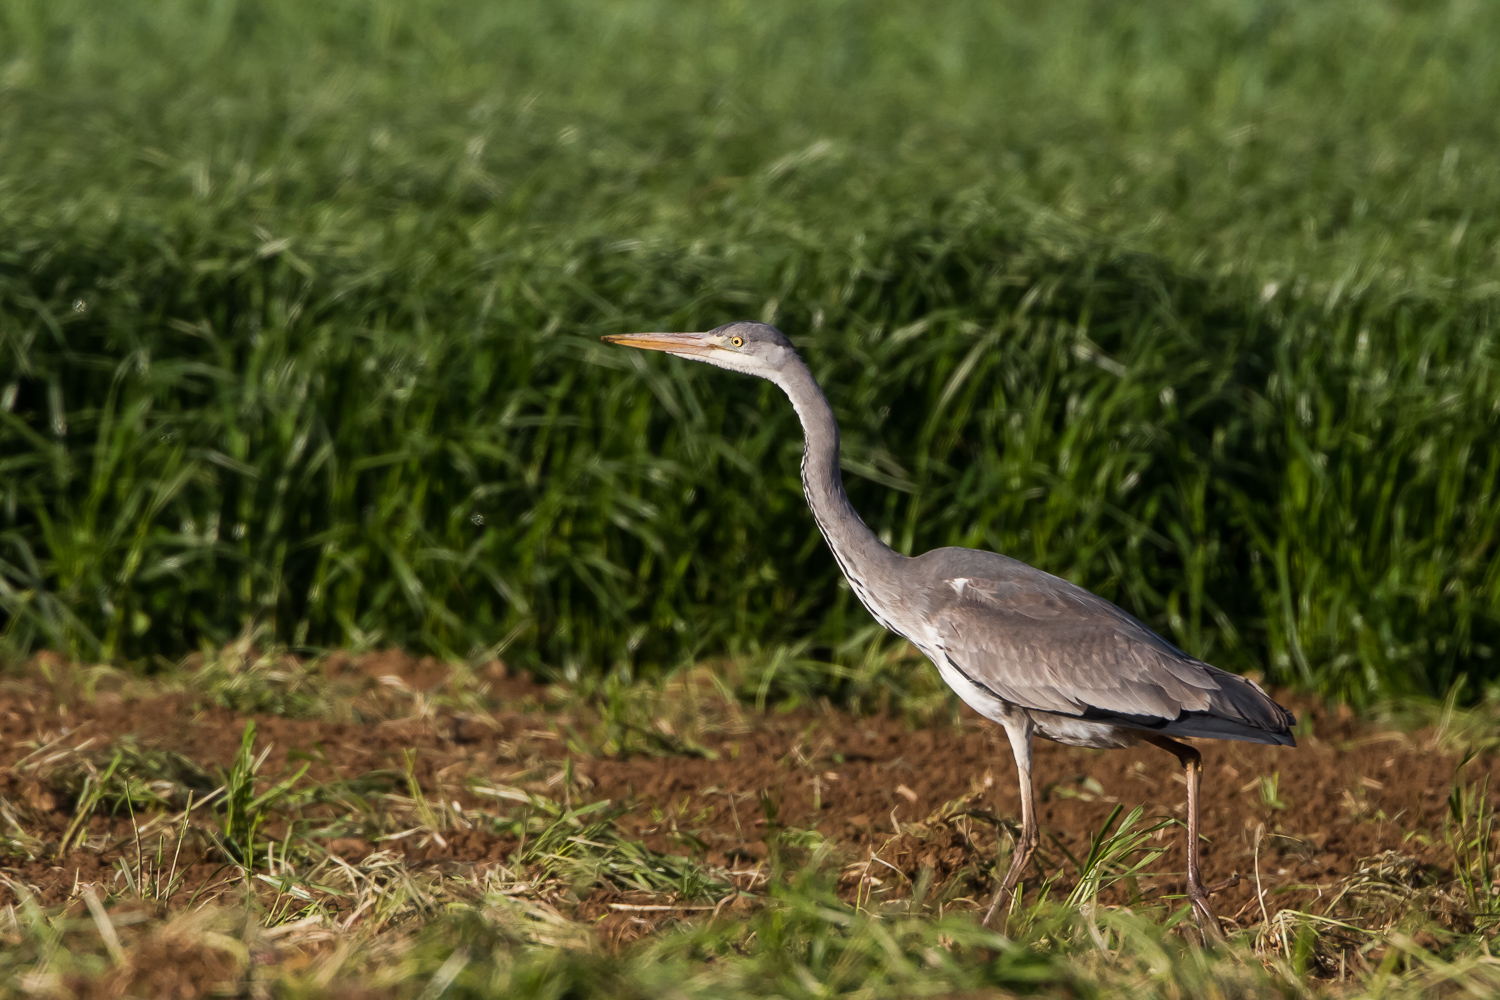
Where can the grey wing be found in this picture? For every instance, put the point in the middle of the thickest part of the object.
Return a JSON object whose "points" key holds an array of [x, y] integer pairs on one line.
{"points": [[1040, 642]]}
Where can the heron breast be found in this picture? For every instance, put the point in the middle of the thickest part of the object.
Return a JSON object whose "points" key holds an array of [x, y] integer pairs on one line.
{"points": [[980, 699]]}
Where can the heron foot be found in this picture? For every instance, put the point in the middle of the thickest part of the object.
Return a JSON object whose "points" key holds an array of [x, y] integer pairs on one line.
{"points": [[1011, 886], [1003, 896], [1203, 913]]}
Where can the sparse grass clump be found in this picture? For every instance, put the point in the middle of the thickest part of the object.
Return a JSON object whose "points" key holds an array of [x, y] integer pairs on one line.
{"points": [[243, 679]]}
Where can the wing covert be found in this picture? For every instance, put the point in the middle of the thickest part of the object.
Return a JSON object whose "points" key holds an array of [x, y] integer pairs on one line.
{"points": [[1045, 644]]}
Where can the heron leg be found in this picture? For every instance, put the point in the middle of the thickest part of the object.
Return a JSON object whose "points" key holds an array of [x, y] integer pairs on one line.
{"points": [[1019, 728], [1192, 766]]}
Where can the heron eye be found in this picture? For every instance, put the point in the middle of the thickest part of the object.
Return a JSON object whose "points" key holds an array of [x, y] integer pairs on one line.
{"points": [[737, 341]]}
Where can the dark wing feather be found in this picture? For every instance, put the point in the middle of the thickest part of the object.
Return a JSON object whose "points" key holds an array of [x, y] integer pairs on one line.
{"points": [[1040, 642]]}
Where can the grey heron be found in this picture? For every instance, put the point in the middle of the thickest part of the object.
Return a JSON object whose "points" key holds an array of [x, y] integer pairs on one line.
{"points": [[1023, 648]]}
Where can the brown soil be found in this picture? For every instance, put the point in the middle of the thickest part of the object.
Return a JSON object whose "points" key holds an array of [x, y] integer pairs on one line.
{"points": [[874, 785]]}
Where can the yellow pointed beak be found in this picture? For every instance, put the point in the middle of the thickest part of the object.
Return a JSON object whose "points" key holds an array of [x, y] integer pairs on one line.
{"points": [[673, 343]]}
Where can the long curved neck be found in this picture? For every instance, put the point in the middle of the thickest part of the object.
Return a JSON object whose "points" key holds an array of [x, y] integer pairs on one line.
{"points": [[860, 553]]}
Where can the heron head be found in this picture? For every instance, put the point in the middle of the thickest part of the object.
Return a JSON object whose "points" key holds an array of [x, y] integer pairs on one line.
{"points": [[752, 348]]}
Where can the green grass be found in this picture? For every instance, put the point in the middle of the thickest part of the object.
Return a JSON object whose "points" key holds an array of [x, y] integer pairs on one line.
{"points": [[1195, 305]]}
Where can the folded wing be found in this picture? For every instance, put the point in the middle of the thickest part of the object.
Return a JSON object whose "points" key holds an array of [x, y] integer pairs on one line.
{"points": [[1040, 642]]}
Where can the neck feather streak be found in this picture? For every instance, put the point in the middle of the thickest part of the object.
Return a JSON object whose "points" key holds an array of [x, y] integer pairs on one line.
{"points": [[865, 560]]}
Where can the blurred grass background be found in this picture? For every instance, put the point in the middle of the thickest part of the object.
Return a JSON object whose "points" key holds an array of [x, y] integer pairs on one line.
{"points": [[1194, 304]]}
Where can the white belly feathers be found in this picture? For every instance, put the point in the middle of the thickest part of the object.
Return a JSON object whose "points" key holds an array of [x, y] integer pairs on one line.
{"points": [[1058, 728]]}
